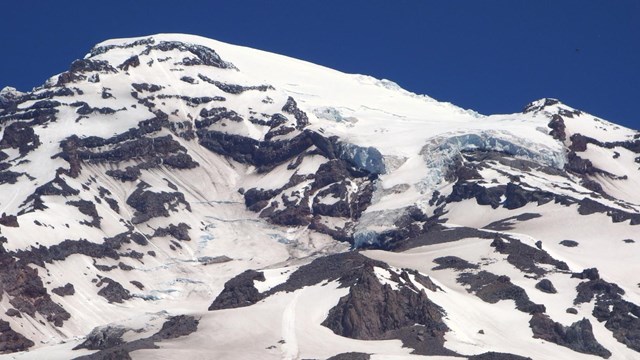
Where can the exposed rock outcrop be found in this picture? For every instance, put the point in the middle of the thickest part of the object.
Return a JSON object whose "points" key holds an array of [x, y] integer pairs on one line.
{"points": [[12, 341], [149, 204], [66, 290], [578, 337]]}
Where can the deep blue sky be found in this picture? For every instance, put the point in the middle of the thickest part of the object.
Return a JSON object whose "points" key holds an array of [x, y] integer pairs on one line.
{"points": [[490, 56]]}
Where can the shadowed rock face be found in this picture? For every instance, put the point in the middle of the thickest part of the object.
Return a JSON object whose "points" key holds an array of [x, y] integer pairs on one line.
{"points": [[588, 206], [239, 291], [372, 310], [578, 337]]}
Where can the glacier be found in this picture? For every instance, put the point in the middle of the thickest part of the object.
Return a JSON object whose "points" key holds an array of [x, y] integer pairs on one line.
{"points": [[441, 152]]}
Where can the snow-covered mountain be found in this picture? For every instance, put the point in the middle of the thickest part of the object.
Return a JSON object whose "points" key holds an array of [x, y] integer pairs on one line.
{"points": [[174, 196]]}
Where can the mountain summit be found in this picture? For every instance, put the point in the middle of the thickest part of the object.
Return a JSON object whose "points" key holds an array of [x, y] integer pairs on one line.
{"points": [[173, 196]]}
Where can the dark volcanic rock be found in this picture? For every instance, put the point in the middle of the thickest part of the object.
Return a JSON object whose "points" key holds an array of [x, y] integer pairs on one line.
{"points": [[26, 290], [109, 339], [134, 144], [103, 337], [87, 208], [209, 260], [558, 128], [517, 197], [591, 274], [492, 288], [137, 284], [291, 107], [431, 233], [579, 165], [620, 316], [57, 186], [234, 88], [140, 87], [13, 313], [21, 136], [350, 356], [254, 152], [588, 206], [545, 285], [12, 341], [453, 262], [150, 204], [533, 107], [10, 177], [371, 310], [142, 148], [65, 290], [507, 223], [133, 61], [205, 55], [577, 337], [342, 267], [113, 292], [180, 232], [526, 257], [497, 356], [239, 291], [214, 115], [176, 326], [463, 190], [130, 173], [569, 243], [90, 65], [85, 109], [9, 220], [188, 79], [66, 248]]}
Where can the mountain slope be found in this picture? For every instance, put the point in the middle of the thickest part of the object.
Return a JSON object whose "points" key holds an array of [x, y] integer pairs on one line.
{"points": [[215, 201]]}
